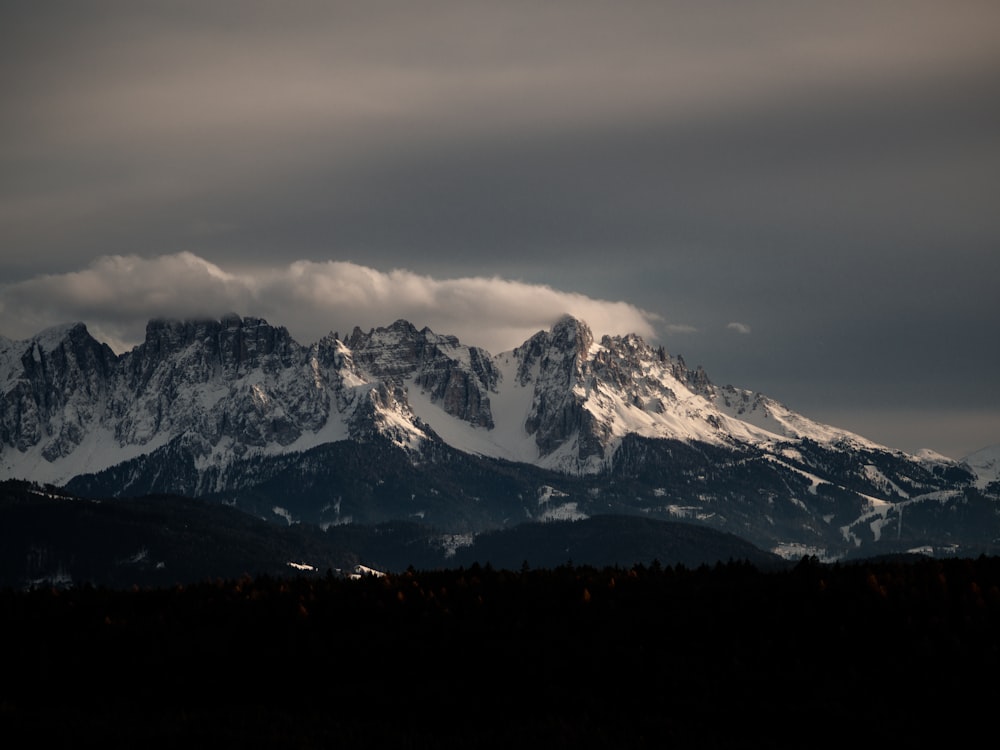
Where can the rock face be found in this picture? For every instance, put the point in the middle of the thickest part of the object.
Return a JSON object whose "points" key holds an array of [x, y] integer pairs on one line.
{"points": [[238, 380], [228, 387], [210, 407], [557, 365], [457, 377], [54, 387]]}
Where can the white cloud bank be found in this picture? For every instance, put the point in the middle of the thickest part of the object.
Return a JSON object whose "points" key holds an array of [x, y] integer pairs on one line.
{"points": [[116, 295]]}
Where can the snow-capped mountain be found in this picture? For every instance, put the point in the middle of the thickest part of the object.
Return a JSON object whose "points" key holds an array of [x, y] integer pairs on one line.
{"points": [[226, 388], [236, 409], [239, 387]]}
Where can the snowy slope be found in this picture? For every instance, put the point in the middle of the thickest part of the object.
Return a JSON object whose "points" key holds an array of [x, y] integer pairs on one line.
{"points": [[985, 464], [601, 392]]}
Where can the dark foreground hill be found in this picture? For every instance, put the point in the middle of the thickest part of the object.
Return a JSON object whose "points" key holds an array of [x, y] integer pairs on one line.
{"points": [[571, 657], [611, 540], [48, 537]]}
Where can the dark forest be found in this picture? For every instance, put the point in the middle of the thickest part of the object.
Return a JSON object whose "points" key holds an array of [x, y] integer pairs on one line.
{"points": [[818, 655]]}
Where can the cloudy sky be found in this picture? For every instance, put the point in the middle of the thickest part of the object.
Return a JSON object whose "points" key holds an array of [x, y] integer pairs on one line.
{"points": [[802, 197]]}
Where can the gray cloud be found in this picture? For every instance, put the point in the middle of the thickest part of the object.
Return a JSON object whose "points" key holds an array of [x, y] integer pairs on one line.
{"points": [[117, 295], [827, 171]]}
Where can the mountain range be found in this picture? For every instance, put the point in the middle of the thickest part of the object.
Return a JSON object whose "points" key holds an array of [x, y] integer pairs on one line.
{"points": [[405, 424]]}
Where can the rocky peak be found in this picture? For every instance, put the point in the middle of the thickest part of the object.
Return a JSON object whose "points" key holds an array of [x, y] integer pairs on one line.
{"points": [[253, 342], [696, 380], [572, 335], [458, 378], [560, 353], [330, 351], [59, 380], [167, 335], [65, 357], [558, 362], [391, 352], [203, 349]]}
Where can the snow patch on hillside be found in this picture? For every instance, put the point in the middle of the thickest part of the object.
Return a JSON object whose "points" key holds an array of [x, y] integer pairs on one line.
{"points": [[99, 450], [509, 405], [985, 464]]}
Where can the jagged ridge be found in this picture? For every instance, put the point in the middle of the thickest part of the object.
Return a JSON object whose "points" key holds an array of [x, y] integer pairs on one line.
{"points": [[206, 407]]}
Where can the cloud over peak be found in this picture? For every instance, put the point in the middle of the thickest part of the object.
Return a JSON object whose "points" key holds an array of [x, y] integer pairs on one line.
{"points": [[116, 295]]}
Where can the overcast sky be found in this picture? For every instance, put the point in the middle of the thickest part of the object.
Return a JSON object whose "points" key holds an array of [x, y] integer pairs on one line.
{"points": [[803, 197]]}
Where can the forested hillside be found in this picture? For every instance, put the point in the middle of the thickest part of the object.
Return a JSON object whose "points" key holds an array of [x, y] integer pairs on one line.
{"points": [[574, 656]]}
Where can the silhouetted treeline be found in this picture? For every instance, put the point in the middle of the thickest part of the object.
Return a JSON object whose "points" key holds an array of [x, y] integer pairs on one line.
{"points": [[648, 656]]}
